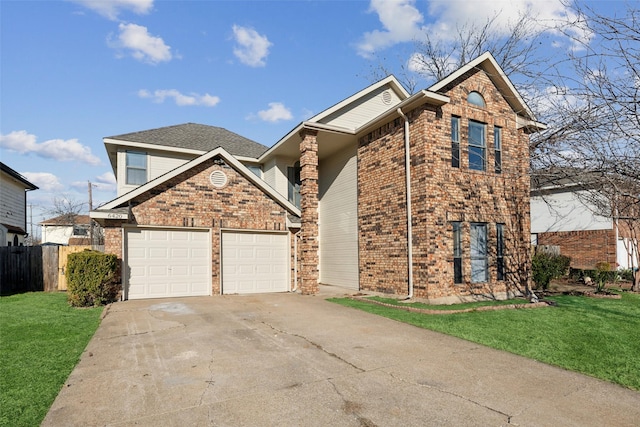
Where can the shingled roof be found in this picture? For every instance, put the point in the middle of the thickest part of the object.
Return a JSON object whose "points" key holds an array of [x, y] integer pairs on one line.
{"points": [[196, 137]]}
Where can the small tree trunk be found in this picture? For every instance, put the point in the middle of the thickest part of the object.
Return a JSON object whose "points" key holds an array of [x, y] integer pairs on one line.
{"points": [[636, 281]]}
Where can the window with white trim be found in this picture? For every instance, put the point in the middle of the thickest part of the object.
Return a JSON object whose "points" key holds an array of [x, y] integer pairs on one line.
{"points": [[457, 252], [455, 141], [500, 252], [136, 165], [477, 145], [479, 253], [497, 146]]}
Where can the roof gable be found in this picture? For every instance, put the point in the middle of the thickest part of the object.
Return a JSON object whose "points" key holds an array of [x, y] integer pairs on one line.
{"points": [[119, 202], [196, 137], [358, 109], [488, 63], [15, 175]]}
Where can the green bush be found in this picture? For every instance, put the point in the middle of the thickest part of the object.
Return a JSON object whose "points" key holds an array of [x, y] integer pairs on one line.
{"points": [[91, 278], [547, 267]]}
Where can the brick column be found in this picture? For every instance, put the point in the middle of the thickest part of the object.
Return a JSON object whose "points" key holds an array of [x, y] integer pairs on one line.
{"points": [[309, 211]]}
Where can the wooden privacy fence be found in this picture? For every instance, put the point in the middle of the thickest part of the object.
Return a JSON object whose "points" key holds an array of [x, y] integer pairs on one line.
{"points": [[34, 268]]}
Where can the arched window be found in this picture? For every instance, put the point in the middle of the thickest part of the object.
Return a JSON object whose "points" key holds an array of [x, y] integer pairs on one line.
{"points": [[475, 98]]}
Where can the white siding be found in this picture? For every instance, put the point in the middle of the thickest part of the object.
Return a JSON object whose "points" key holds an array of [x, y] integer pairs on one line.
{"points": [[364, 109], [564, 212], [12, 202], [158, 163], [338, 221]]}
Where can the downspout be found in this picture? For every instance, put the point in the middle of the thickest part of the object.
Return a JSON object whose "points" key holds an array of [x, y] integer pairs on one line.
{"points": [[407, 168]]}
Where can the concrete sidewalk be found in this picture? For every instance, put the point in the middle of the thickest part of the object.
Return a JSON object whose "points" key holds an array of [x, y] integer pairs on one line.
{"points": [[292, 360]]}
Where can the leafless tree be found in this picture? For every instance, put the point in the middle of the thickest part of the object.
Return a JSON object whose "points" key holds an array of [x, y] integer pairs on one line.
{"points": [[594, 121]]}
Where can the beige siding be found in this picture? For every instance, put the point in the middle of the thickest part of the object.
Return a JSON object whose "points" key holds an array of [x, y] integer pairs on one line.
{"points": [[12, 202], [275, 174], [362, 111], [338, 220], [158, 163]]}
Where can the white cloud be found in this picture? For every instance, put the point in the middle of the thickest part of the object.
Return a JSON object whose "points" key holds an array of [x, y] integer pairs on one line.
{"points": [[401, 22], [275, 113], [104, 182], [44, 180], [143, 46], [180, 99], [251, 48], [57, 149], [112, 8]]}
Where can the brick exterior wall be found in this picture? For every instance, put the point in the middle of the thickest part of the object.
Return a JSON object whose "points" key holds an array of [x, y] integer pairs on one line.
{"points": [[190, 200], [309, 275], [442, 194], [586, 248]]}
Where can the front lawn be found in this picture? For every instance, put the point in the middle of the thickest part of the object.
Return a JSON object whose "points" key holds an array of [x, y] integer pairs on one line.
{"points": [[598, 337], [41, 341]]}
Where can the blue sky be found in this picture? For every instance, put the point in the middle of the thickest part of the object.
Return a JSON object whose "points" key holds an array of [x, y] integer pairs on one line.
{"points": [[73, 72]]}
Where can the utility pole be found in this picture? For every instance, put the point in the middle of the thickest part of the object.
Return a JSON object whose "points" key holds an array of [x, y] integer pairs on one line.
{"points": [[90, 209]]}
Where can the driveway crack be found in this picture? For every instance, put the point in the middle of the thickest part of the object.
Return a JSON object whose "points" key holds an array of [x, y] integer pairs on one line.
{"points": [[459, 396], [316, 345]]}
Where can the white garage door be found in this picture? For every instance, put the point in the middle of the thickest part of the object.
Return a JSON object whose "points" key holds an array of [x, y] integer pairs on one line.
{"points": [[255, 262], [167, 263]]}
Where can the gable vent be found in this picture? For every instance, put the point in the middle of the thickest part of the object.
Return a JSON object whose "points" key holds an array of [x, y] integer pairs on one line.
{"points": [[218, 179], [386, 97]]}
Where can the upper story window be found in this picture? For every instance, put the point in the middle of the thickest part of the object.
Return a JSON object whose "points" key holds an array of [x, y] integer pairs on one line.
{"points": [[257, 170], [477, 145], [455, 141], [497, 146], [136, 168], [474, 98], [293, 176]]}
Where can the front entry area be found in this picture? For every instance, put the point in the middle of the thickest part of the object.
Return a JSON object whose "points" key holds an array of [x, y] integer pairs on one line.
{"points": [[255, 262], [162, 263]]}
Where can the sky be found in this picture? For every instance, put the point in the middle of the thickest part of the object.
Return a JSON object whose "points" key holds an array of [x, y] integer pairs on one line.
{"points": [[74, 72]]}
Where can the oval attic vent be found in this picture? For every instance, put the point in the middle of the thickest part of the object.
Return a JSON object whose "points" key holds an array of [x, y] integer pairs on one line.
{"points": [[218, 179], [386, 97]]}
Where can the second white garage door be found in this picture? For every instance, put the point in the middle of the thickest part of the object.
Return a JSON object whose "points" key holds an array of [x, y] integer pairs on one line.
{"points": [[167, 263], [255, 262]]}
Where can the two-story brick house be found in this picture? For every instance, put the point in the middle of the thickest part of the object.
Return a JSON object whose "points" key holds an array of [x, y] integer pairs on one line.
{"points": [[423, 195]]}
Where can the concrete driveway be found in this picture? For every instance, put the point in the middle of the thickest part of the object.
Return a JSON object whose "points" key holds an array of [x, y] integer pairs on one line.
{"points": [[292, 360]]}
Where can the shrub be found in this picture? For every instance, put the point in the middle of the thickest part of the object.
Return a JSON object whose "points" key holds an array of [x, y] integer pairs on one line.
{"points": [[546, 266], [603, 274], [91, 278]]}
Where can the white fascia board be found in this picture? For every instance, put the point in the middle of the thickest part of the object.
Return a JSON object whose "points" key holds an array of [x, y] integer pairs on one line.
{"points": [[522, 122], [195, 162], [327, 128], [487, 62], [121, 143], [389, 80], [282, 140]]}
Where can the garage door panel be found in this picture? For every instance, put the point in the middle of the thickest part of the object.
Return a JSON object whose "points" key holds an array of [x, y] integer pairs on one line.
{"points": [[255, 262], [167, 263]]}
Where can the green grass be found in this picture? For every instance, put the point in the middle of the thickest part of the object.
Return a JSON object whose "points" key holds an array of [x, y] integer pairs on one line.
{"points": [[597, 337], [41, 340]]}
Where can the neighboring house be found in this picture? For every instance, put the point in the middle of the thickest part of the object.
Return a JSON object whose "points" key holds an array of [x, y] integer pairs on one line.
{"points": [[201, 210], [13, 206], [563, 215], [67, 230]]}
